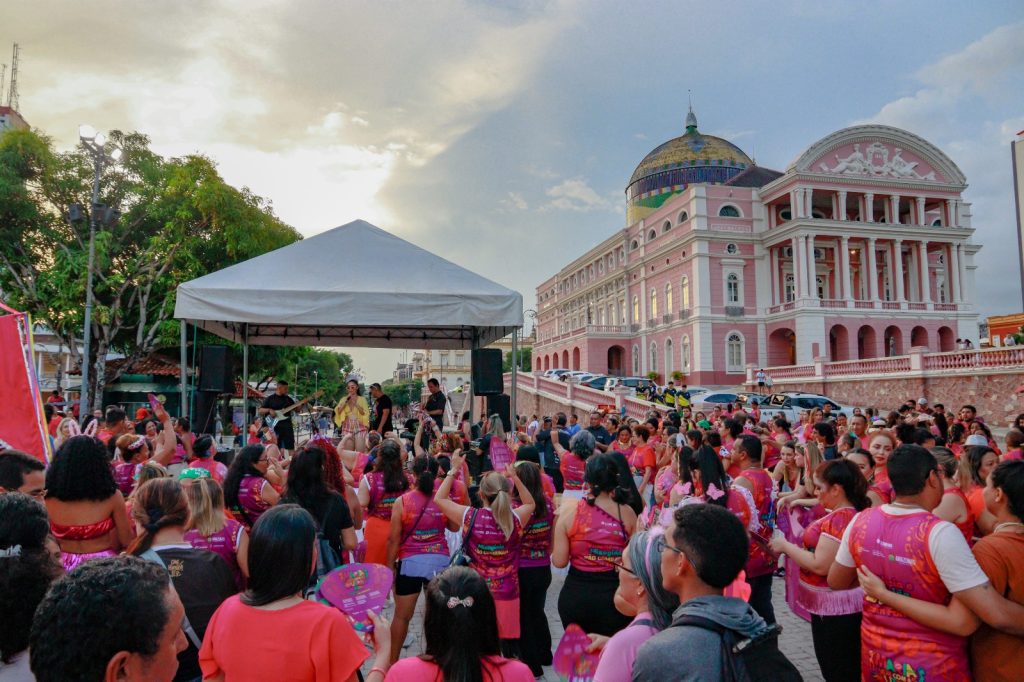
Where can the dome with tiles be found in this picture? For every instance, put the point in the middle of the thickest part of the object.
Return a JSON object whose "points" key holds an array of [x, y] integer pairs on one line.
{"points": [[692, 158]]}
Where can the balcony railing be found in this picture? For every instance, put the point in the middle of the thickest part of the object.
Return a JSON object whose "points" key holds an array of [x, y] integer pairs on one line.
{"points": [[917, 306], [833, 303], [684, 313], [652, 323], [667, 319], [891, 305], [734, 311]]}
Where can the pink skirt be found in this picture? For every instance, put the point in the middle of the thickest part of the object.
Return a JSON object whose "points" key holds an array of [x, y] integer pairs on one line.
{"points": [[72, 561], [508, 618]]}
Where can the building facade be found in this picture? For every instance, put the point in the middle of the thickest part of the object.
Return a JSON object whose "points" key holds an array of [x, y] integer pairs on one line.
{"points": [[859, 249]]}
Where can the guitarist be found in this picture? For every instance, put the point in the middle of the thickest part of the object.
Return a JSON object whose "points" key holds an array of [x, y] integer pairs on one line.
{"points": [[279, 400]]}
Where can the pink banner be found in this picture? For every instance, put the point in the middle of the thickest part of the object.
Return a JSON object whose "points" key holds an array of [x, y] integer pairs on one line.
{"points": [[21, 408]]}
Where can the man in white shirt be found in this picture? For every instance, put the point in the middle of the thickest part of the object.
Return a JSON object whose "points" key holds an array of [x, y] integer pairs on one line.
{"points": [[883, 540]]}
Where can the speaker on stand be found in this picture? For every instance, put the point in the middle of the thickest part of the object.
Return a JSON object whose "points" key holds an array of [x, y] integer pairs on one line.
{"points": [[217, 370], [487, 376]]}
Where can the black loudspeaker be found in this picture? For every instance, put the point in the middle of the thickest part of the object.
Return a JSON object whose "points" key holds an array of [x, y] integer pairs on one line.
{"points": [[487, 379], [217, 370], [501, 405], [204, 415]]}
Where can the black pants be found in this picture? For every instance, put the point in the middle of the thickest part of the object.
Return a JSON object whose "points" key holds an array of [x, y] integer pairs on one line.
{"points": [[837, 646], [535, 636], [588, 599], [556, 478], [761, 597]]}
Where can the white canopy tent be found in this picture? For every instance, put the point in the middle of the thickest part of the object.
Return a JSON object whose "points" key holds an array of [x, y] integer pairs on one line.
{"points": [[353, 286]]}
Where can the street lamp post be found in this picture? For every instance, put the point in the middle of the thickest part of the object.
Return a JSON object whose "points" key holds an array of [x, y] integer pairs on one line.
{"points": [[94, 143]]}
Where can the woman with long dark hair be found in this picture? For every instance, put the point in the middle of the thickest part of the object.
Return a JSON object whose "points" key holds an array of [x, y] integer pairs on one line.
{"points": [[977, 462], [461, 628], [835, 615], [417, 548], [954, 506], [535, 570], [491, 536], [87, 512], [307, 487], [202, 579], [378, 491], [29, 563], [270, 632], [590, 536], [247, 492]]}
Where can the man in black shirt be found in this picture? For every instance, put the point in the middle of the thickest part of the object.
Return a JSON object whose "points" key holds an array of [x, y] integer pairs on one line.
{"points": [[279, 400], [601, 434], [380, 420], [548, 457], [435, 403]]}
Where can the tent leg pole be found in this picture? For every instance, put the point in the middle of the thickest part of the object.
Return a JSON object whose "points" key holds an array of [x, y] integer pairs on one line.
{"points": [[515, 365], [184, 368], [472, 386], [245, 376]]}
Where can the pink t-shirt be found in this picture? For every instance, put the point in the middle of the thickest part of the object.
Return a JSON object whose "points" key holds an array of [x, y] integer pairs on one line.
{"points": [[496, 669], [619, 653]]}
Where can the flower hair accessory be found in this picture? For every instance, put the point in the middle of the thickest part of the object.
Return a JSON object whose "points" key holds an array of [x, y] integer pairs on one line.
{"points": [[455, 601], [15, 551]]}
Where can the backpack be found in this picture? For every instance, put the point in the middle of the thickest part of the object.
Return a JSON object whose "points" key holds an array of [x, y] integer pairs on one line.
{"points": [[748, 660], [326, 561]]}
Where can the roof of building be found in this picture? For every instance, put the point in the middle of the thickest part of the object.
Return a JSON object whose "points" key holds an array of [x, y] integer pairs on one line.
{"points": [[155, 365], [693, 148], [754, 176]]}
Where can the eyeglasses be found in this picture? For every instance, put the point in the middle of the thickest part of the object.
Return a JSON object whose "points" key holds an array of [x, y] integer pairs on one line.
{"points": [[620, 566], [661, 546]]}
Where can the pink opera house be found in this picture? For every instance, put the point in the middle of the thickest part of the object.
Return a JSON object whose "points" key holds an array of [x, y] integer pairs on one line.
{"points": [[859, 249]]}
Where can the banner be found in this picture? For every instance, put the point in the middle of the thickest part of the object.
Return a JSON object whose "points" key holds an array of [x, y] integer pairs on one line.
{"points": [[22, 424]]}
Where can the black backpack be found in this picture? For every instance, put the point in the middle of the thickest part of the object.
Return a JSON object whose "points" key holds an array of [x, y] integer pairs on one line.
{"points": [[745, 659]]}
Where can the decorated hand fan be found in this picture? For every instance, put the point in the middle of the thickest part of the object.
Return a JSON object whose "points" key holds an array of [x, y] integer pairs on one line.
{"points": [[355, 590], [572, 662]]}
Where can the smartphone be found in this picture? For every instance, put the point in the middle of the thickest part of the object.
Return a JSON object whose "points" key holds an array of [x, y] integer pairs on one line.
{"points": [[153, 402]]}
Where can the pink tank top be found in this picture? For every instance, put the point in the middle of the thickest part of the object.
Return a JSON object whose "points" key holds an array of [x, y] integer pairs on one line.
{"points": [[427, 535], [223, 543], [572, 471], [535, 549], [124, 476], [596, 539], [967, 525], [491, 554], [895, 548], [832, 525], [381, 501], [761, 561]]}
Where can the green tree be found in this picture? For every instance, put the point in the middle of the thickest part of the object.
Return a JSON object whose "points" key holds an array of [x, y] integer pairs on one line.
{"points": [[525, 360], [179, 220], [403, 393]]}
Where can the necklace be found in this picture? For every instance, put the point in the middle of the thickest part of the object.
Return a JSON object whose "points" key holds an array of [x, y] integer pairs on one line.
{"points": [[1007, 524]]}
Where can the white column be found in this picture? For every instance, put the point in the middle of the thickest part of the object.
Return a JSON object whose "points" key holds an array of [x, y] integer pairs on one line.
{"points": [[842, 206], [812, 271], [894, 209], [773, 267], [794, 211], [926, 286], [951, 212], [920, 211], [847, 275], [799, 266], [835, 206], [869, 208], [889, 271], [809, 201], [872, 273], [953, 272], [898, 271]]}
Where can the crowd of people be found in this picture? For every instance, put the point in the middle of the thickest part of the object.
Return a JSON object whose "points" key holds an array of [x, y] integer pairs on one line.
{"points": [[142, 553]]}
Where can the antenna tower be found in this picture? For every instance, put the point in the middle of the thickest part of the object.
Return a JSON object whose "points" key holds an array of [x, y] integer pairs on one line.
{"points": [[3, 75], [12, 92]]}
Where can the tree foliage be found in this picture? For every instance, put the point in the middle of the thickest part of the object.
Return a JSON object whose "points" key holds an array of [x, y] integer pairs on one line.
{"points": [[403, 393], [179, 220], [525, 362]]}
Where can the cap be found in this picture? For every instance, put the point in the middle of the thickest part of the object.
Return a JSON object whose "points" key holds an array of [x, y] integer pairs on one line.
{"points": [[976, 439], [922, 401], [141, 413]]}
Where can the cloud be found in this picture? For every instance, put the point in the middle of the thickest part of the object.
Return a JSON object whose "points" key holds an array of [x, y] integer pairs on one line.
{"points": [[575, 195], [514, 201]]}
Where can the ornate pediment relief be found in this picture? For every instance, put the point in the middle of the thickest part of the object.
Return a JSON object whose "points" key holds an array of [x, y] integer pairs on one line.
{"points": [[879, 161]]}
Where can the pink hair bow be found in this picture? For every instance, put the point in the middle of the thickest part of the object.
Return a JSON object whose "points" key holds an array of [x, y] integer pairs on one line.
{"points": [[714, 493], [455, 601]]}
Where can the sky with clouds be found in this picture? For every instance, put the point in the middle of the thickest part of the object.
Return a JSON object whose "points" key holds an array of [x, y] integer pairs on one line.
{"points": [[501, 135]]}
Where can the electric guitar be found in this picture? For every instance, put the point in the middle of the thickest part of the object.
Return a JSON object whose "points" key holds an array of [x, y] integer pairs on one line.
{"points": [[274, 417]]}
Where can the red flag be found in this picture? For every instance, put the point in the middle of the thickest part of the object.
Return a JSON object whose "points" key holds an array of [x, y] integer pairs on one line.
{"points": [[22, 423]]}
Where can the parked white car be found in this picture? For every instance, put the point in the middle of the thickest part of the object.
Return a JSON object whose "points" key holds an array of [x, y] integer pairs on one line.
{"points": [[790, 405]]}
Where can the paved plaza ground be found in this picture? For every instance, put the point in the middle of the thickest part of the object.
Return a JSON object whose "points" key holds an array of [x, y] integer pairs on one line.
{"points": [[795, 641]]}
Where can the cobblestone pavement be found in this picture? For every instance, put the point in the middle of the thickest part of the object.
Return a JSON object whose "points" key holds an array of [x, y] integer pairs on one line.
{"points": [[795, 641]]}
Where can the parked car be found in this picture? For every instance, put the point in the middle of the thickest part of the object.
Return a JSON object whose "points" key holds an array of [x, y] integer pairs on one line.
{"points": [[597, 382], [638, 384], [554, 373], [705, 402], [790, 405]]}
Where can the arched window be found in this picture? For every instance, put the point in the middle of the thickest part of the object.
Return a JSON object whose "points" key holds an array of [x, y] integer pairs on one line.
{"points": [[636, 310], [668, 299], [729, 211], [668, 358], [654, 305], [686, 354], [937, 223], [684, 287], [821, 287], [732, 249], [732, 289], [636, 360], [666, 226], [651, 235], [633, 246], [684, 216], [622, 312], [734, 355], [786, 214], [654, 358]]}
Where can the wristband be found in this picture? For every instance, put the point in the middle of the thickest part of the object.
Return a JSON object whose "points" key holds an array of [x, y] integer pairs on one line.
{"points": [[377, 669]]}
